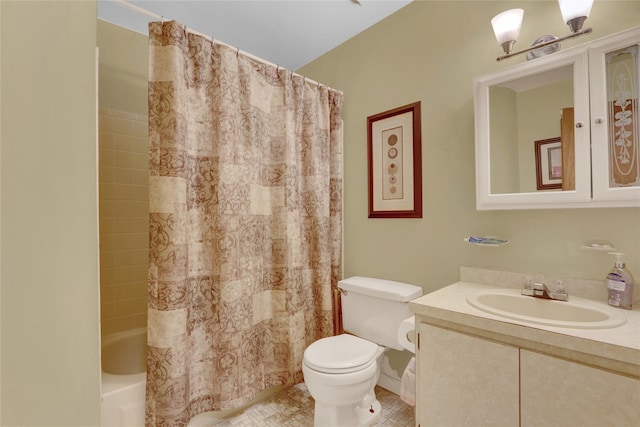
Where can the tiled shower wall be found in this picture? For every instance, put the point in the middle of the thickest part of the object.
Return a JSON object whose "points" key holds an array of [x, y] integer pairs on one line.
{"points": [[124, 220]]}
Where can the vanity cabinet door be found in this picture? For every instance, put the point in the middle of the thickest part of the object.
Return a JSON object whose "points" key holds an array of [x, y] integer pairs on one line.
{"points": [[464, 380], [614, 68], [556, 392]]}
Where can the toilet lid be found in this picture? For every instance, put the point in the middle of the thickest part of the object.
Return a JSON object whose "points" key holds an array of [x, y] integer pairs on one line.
{"points": [[340, 354]]}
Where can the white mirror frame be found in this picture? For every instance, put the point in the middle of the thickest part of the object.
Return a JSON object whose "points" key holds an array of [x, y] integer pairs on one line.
{"points": [[581, 196]]}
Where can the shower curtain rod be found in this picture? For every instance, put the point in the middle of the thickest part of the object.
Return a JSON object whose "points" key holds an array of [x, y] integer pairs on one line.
{"points": [[143, 11]]}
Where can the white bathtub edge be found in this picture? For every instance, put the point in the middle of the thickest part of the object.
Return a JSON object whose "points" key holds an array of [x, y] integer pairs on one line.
{"points": [[114, 383]]}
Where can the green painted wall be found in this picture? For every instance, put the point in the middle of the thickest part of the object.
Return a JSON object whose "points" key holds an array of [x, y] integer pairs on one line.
{"points": [[430, 51], [49, 265]]}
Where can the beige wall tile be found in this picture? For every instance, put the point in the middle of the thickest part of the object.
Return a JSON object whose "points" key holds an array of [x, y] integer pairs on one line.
{"points": [[124, 222]]}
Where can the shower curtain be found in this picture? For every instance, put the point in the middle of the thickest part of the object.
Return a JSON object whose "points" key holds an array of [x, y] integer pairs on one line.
{"points": [[245, 224]]}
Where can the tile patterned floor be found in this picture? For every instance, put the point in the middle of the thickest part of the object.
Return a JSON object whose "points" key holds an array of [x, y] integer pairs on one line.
{"points": [[293, 407]]}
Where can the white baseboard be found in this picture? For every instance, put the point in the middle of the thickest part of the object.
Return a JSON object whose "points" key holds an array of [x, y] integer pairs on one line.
{"points": [[389, 378]]}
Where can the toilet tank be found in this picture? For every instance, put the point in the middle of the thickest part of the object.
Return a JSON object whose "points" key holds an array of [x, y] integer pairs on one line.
{"points": [[373, 309]]}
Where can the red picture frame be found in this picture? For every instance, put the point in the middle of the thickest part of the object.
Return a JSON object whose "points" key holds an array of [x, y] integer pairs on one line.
{"points": [[549, 164], [394, 149]]}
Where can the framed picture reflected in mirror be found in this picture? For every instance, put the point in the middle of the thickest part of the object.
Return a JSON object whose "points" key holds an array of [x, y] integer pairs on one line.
{"points": [[549, 164]]}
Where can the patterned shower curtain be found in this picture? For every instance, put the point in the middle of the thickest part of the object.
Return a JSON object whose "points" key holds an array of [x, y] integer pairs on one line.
{"points": [[245, 224]]}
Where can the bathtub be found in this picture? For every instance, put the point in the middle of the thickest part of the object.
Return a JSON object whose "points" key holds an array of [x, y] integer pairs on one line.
{"points": [[124, 364]]}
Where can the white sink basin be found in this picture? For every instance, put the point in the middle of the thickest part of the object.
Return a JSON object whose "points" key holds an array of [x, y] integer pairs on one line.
{"points": [[576, 313]]}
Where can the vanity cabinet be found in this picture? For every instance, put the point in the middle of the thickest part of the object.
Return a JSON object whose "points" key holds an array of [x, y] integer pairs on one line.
{"points": [[466, 380], [563, 130], [562, 393]]}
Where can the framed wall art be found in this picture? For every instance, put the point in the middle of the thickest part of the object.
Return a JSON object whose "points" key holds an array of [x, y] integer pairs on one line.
{"points": [[549, 164], [395, 163]]}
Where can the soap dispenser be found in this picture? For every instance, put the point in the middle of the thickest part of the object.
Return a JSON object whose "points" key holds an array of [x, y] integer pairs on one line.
{"points": [[620, 284]]}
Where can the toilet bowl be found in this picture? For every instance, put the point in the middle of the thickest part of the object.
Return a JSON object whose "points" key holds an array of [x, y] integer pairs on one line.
{"points": [[341, 371]]}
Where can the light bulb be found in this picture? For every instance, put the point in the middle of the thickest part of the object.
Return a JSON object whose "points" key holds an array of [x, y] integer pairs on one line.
{"points": [[506, 27], [575, 12]]}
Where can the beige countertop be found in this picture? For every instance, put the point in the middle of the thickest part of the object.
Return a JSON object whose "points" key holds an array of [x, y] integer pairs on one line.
{"points": [[616, 349]]}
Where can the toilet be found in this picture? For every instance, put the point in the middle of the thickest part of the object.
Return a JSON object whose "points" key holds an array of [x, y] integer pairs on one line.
{"points": [[341, 372]]}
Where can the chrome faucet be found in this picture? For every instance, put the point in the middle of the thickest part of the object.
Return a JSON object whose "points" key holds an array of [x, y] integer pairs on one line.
{"points": [[540, 290]]}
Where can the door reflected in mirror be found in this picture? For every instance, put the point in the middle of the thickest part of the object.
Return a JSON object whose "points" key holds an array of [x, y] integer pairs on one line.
{"points": [[525, 110]]}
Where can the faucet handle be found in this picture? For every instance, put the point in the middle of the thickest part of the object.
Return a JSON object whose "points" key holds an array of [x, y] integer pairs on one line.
{"points": [[560, 291], [528, 282], [559, 287], [528, 286]]}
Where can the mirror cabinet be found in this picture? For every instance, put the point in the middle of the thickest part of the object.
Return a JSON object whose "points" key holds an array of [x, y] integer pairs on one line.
{"points": [[563, 130]]}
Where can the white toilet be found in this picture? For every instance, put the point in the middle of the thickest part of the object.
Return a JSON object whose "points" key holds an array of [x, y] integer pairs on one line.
{"points": [[341, 371]]}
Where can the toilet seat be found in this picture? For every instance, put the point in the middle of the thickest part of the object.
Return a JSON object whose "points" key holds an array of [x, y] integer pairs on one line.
{"points": [[341, 354]]}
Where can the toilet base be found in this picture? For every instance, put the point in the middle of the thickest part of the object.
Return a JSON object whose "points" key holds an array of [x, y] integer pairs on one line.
{"points": [[369, 416], [365, 414]]}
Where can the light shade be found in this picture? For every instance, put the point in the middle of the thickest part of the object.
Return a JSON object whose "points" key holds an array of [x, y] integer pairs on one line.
{"points": [[506, 25], [572, 9]]}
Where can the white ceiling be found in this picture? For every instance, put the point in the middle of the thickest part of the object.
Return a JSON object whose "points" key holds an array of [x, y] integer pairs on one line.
{"points": [[289, 33]]}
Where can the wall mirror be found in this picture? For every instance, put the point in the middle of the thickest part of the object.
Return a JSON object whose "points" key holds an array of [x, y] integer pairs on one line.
{"points": [[522, 112], [532, 132]]}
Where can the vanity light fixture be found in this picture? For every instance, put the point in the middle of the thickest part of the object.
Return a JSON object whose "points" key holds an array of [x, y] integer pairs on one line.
{"points": [[506, 27]]}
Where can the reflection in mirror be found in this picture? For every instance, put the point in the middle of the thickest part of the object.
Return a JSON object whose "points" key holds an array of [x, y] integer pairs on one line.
{"points": [[523, 111]]}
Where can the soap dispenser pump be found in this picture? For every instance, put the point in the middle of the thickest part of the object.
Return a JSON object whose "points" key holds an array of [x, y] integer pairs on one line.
{"points": [[620, 284]]}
